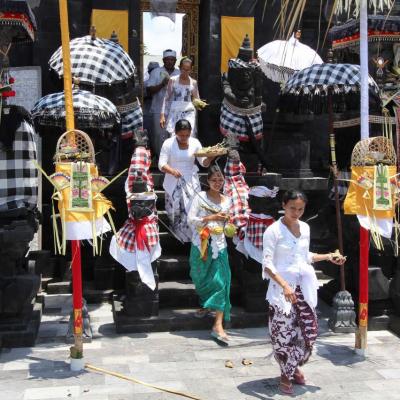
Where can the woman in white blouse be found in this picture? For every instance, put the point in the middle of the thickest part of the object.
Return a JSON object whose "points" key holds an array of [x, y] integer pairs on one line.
{"points": [[177, 104], [181, 182], [209, 266], [292, 292]]}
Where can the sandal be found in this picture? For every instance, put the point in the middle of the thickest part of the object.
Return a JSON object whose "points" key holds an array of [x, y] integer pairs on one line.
{"points": [[286, 388], [219, 338], [298, 378]]}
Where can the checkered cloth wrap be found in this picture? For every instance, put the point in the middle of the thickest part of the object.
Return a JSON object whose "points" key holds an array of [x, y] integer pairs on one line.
{"points": [[140, 162], [237, 189], [131, 119], [91, 111], [342, 77], [98, 61], [126, 238], [233, 123], [18, 174], [255, 229], [238, 63]]}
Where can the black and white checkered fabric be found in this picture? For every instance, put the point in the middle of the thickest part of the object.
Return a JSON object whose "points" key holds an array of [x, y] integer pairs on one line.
{"points": [[342, 77], [91, 111], [95, 61], [231, 123], [238, 63], [18, 174], [131, 120]]}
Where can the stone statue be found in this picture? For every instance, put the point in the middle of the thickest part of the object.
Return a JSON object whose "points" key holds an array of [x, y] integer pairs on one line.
{"points": [[18, 224], [242, 104], [136, 246]]}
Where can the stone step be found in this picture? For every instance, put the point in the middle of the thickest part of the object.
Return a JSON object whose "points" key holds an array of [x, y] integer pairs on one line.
{"points": [[177, 294], [61, 287], [175, 267], [171, 319], [182, 294], [96, 296], [172, 245]]}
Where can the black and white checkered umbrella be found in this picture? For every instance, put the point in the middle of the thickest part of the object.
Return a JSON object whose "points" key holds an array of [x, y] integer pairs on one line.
{"points": [[95, 61], [340, 77], [90, 111], [308, 89]]}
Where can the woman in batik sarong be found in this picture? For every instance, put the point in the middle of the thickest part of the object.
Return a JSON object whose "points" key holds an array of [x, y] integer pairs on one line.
{"points": [[177, 104], [292, 292], [181, 182], [209, 266]]}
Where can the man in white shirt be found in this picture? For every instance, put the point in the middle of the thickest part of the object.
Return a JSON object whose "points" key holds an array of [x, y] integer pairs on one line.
{"points": [[157, 86]]}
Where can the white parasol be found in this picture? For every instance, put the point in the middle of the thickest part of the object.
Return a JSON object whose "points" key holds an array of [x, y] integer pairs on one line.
{"points": [[280, 59]]}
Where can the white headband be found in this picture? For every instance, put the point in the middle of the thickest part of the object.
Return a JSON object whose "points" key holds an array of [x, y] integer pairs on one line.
{"points": [[263, 191], [169, 53]]}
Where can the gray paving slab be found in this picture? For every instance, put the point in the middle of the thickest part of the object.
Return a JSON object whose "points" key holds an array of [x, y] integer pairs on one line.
{"points": [[191, 362]]}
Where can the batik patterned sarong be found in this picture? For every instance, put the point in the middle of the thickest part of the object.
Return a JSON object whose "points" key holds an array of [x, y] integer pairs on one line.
{"points": [[294, 335]]}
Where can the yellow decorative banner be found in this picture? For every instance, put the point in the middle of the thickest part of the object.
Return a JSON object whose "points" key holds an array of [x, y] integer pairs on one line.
{"points": [[365, 186], [233, 31], [107, 21]]}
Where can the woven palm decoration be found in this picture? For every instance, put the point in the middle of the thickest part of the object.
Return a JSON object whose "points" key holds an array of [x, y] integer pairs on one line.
{"points": [[374, 187], [78, 191]]}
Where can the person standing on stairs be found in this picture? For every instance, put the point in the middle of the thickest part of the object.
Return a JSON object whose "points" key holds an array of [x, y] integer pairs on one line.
{"points": [[181, 182], [292, 292], [157, 87], [209, 265], [177, 104]]}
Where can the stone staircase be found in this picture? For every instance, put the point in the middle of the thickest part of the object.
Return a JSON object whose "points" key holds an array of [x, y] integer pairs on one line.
{"points": [[172, 305], [177, 298]]}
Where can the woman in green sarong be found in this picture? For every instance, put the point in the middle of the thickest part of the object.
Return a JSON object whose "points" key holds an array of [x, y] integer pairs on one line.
{"points": [[209, 266]]}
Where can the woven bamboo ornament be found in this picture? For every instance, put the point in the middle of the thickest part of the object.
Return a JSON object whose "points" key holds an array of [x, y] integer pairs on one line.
{"points": [[81, 205], [373, 190]]}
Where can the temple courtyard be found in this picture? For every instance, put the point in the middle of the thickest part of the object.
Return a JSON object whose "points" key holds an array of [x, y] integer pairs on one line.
{"points": [[192, 363]]}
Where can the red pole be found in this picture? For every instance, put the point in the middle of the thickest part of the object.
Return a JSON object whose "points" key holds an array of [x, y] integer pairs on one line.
{"points": [[77, 287], [361, 335]]}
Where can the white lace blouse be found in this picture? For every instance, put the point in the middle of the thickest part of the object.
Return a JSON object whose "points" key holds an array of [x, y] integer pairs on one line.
{"points": [[195, 218], [291, 258], [182, 160]]}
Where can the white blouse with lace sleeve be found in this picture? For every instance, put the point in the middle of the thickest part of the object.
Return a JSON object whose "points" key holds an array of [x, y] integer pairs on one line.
{"points": [[290, 257], [195, 218]]}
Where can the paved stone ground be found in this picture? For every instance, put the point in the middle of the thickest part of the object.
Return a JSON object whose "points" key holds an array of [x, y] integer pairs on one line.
{"points": [[191, 362]]}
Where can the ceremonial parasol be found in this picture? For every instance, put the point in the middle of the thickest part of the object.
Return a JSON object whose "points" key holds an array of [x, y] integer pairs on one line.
{"points": [[17, 22], [382, 28], [103, 66], [280, 59], [324, 82], [90, 111], [311, 89], [95, 61]]}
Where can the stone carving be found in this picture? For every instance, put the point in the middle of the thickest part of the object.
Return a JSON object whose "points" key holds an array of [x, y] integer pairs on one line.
{"points": [[242, 104]]}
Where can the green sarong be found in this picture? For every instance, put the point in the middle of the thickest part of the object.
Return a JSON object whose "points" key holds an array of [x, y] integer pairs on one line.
{"points": [[212, 279]]}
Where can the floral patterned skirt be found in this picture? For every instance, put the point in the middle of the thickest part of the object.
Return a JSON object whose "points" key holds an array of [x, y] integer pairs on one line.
{"points": [[294, 335]]}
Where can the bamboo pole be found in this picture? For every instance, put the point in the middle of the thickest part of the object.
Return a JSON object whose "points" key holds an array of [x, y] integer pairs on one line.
{"points": [[77, 349], [361, 334], [336, 189]]}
